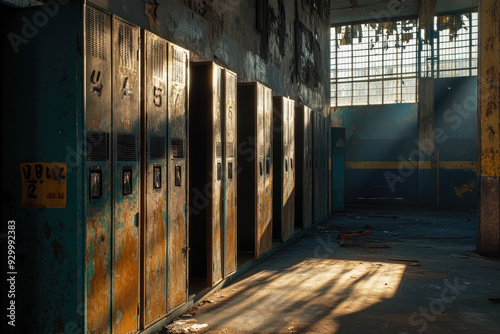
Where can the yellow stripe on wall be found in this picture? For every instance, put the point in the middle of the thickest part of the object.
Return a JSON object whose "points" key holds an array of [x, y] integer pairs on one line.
{"points": [[409, 165]]}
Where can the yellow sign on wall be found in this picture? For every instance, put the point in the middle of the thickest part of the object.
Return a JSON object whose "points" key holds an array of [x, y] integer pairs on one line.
{"points": [[43, 185]]}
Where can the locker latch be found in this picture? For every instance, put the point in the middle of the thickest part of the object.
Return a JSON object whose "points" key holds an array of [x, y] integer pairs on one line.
{"points": [[127, 181], [230, 170], [178, 176], [95, 184], [219, 171], [156, 177]]}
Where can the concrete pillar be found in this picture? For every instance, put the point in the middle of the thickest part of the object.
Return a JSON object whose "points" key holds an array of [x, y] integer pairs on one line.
{"points": [[426, 179], [488, 157]]}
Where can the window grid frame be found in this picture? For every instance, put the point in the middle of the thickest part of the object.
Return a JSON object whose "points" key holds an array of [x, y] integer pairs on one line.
{"points": [[434, 52]]}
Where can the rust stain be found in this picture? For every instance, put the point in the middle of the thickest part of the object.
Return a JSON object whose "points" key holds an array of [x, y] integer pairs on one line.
{"points": [[97, 277], [48, 230], [56, 248], [176, 259], [126, 267], [155, 258], [465, 188]]}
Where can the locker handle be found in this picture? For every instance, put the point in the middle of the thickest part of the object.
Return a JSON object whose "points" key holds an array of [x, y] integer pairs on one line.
{"points": [[136, 219], [230, 170]]}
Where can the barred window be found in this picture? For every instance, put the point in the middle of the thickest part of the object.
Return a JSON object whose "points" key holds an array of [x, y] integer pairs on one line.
{"points": [[374, 63], [379, 63]]}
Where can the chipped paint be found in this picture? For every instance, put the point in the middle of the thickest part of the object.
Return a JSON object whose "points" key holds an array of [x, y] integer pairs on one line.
{"points": [[465, 188]]}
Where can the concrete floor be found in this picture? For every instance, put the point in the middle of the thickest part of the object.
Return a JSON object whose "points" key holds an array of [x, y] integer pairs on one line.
{"points": [[317, 286]]}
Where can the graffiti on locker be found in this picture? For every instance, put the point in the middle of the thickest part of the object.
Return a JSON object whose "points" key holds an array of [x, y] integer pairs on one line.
{"points": [[43, 185]]}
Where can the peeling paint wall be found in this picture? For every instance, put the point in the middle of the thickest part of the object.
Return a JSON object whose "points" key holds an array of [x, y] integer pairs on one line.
{"points": [[283, 44]]}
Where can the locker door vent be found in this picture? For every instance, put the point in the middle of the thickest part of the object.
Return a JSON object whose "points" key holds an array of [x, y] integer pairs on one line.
{"points": [[126, 147], [230, 149], [96, 34], [97, 146], [157, 54], [218, 149], [126, 46], [177, 148], [179, 66], [157, 147], [268, 151]]}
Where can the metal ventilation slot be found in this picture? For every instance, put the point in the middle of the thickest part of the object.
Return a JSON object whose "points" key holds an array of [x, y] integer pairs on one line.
{"points": [[96, 34], [179, 68], [218, 149], [177, 148], [97, 146], [157, 54], [126, 46], [268, 151], [230, 149], [157, 147], [126, 147]]}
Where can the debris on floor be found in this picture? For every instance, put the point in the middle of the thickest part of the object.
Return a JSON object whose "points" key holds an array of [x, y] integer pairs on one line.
{"points": [[183, 326], [354, 234], [391, 234]]}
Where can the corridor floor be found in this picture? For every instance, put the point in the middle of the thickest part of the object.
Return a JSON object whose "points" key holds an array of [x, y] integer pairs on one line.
{"points": [[417, 272]]}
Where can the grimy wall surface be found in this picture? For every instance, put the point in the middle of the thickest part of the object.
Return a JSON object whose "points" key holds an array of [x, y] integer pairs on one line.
{"points": [[284, 44]]}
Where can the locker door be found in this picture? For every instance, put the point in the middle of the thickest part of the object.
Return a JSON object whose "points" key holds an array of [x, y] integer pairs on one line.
{"points": [[97, 94], [259, 172], [126, 186], [291, 149], [308, 167], [155, 187], [315, 167], [178, 62], [230, 174], [286, 168], [267, 238], [215, 235]]}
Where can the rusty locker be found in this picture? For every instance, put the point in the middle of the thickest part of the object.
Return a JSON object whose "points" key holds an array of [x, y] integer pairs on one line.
{"points": [[98, 95], [230, 175], [292, 173], [320, 173], [283, 178], [255, 156], [205, 156], [155, 176], [177, 164], [303, 140], [266, 237], [316, 168], [126, 166]]}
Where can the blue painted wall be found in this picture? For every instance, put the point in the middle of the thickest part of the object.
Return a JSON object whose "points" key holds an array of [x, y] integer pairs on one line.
{"points": [[379, 134], [455, 110]]}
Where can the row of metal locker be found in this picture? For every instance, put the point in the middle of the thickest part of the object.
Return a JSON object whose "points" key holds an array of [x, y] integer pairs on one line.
{"points": [[240, 168], [186, 174]]}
